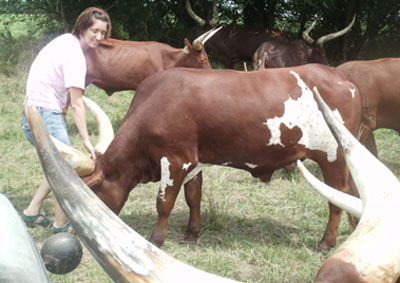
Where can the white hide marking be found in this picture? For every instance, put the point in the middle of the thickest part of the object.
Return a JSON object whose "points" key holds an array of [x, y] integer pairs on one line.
{"points": [[353, 91], [165, 177], [186, 166], [226, 163], [192, 174], [252, 166], [339, 83], [304, 113]]}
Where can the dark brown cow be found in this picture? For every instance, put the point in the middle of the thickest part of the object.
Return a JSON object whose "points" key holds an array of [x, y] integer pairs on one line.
{"points": [[234, 43], [278, 53], [121, 65], [379, 84], [182, 119]]}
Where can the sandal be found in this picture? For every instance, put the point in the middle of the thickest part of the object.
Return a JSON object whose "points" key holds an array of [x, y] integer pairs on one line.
{"points": [[36, 220], [67, 228]]}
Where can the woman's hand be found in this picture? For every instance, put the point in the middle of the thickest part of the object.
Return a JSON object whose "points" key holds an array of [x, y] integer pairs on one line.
{"points": [[79, 113], [89, 147]]}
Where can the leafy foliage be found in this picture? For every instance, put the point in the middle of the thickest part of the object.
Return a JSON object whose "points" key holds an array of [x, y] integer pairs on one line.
{"points": [[375, 33]]}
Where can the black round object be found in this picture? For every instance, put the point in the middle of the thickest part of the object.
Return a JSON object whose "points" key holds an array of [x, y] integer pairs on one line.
{"points": [[61, 253]]}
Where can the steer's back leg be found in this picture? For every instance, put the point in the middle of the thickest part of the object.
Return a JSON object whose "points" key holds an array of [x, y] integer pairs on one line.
{"points": [[193, 192]]}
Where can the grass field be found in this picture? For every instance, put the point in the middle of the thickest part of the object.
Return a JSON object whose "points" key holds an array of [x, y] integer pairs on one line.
{"points": [[252, 232]]}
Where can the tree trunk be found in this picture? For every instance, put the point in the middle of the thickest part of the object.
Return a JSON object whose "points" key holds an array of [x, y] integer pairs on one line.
{"points": [[63, 17]]}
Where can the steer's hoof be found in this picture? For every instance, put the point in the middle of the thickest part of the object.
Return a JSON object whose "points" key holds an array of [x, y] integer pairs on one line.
{"points": [[190, 238], [157, 240], [324, 247]]}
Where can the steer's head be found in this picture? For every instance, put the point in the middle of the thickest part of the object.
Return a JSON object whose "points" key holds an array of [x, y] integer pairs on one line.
{"points": [[316, 52], [196, 56], [92, 172]]}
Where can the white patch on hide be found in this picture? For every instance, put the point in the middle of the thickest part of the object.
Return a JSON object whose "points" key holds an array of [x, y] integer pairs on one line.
{"points": [[186, 166], [304, 113], [353, 91], [339, 83], [192, 174], [165, 177], [252, 166], [226, 163]]}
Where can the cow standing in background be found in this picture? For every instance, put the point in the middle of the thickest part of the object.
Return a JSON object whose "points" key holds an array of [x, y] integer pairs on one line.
{"points": [[118, 65], [278, 53], [234, 43], [379, 84], [182, 119]]}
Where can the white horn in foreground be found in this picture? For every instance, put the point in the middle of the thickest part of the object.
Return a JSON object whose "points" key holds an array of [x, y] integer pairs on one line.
{"points": [[123, 254], [106, 131], [346, 202], [372, 251]]}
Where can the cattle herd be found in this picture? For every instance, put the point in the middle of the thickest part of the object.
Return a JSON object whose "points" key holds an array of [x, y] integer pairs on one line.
{"points": [[185, 115]]}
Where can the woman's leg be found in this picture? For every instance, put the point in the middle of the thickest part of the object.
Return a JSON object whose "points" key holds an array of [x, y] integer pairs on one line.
{"points": [[37, 200]]}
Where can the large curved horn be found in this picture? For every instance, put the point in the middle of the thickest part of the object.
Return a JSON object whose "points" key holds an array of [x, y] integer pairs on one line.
{"points": [[123, 254], [106, 131], [323, 39], [306, 37], [347, 202], [372, 251], [199, 42], [193, 15], [20, 258], [215, 17], [80, 162]]}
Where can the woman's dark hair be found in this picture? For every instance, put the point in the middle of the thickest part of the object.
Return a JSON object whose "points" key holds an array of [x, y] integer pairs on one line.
{"points": [[86, 20]]}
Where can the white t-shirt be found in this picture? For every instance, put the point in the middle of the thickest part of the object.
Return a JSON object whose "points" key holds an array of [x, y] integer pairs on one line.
{"points": [[60, 65]]}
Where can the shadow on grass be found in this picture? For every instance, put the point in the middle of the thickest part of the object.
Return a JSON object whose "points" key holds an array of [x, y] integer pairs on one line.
{"points": [[230, 230]]}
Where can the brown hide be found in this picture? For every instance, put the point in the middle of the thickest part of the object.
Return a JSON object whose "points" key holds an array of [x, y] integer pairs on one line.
{"points": [[188, 117], [235, 43], [379, 84], [288, 54], [117, 65]]}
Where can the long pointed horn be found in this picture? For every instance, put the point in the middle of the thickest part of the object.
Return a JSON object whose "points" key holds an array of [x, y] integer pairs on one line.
{"points": [[306, 37], [123, 254], [215, 17], [347, 202], [323, 39], [363, 166], [193, 15], [199, 42], [106, 131], [80, 162], [372, 251]]}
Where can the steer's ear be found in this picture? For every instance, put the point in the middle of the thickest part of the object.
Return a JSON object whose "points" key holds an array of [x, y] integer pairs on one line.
{"points": [[98, 153], [93, 180], [188, 46]]}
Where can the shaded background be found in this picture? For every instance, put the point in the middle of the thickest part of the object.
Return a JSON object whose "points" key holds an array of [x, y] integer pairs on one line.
{"points": [[375, 34]]}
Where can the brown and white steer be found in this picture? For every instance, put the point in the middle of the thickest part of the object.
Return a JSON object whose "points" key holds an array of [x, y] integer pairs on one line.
{"points": [[279, 53], [182, 119], [379, 84], [117, 65], [372, 251]]}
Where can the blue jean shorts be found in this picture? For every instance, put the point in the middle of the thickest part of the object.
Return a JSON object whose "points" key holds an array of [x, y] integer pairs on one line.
{"points": [[54, 122]]}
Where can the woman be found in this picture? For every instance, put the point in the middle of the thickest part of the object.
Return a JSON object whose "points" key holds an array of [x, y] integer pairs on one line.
{"points": [[56, 80]]}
